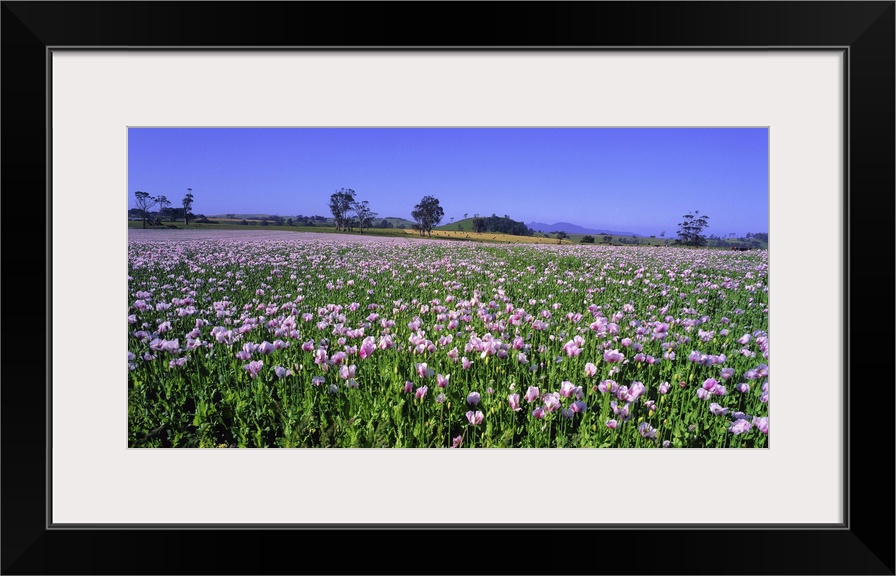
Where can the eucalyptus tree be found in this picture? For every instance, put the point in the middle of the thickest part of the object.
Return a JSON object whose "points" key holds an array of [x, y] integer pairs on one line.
{"points": [[428, 214], [340, 204], [145, 203], [690, 230], [364, 214], [187, 204]]}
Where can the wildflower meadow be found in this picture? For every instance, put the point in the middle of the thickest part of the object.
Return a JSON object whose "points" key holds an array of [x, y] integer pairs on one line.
{"points": [[336, 340]]}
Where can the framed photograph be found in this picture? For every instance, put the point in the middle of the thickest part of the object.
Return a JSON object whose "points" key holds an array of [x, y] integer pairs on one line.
{"points": [[84, 82]]}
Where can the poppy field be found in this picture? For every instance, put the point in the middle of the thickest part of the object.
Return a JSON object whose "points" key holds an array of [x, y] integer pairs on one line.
{"points": [[299, 340]]}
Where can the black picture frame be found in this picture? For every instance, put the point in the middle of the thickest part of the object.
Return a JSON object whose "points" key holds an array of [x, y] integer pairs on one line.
{"points": [[864, 544]]}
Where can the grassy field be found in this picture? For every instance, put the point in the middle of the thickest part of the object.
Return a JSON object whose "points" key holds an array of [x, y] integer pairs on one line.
{"points": [[487, 237], [446, 232], [338, 340]]}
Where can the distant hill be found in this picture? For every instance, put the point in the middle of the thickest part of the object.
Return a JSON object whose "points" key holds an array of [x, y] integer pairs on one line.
{"points": [[467, 225], [396, 221], [575, 229], [493, 224]]}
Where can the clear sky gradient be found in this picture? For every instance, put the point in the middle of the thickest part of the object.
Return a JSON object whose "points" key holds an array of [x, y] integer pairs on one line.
{"points": [[640, 180]]}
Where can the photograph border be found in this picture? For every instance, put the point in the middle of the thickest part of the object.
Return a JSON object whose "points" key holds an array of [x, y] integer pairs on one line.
{"points": [[864, 31]]}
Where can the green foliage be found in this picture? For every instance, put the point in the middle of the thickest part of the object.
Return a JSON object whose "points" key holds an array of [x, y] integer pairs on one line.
{"points": [[690, 230], [340, 204], [428, 213], [211, 401]]}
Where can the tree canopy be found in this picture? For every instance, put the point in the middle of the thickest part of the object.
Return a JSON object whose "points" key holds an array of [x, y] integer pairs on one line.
{"points": [[145, 203], [501, 224], [428, 214], [690, 230], [340, 204], [187, 204], [364, 215]]}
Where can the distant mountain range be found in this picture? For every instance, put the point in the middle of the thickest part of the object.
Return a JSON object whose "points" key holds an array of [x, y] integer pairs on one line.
{"points": [[575, 229]]}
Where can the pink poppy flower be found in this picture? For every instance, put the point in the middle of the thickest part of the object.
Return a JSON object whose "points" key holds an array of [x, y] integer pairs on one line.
{"points": [[621, 411], [571, 349], [717, 409], [475, 418], [551, 401], [532, 394], [646, 430], [420, 392], [613, 356], [590, 369], [366, 349], [514, 400], [608, 386], [566, 388], [253, 368], [761, 424], [636, 390], [740, 426], [385, 342], [171, 346], [473, 398], [282, 372]]}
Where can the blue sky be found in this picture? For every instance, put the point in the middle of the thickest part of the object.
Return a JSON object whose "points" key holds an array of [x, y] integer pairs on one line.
{"points": [[639, 180]]}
